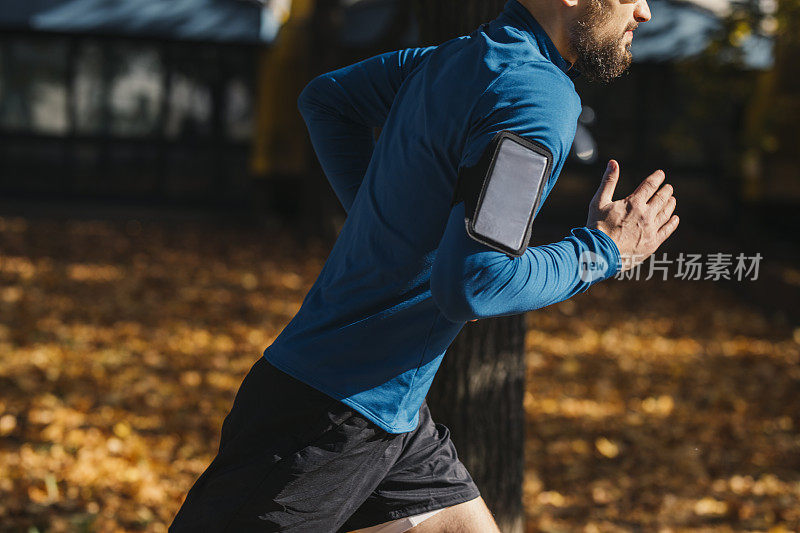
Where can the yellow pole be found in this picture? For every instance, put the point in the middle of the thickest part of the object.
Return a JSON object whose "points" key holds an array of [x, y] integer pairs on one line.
{"points": [[279, 145]]}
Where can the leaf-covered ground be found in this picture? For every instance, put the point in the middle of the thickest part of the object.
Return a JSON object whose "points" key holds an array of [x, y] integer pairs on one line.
{"points": [[652, 406]]}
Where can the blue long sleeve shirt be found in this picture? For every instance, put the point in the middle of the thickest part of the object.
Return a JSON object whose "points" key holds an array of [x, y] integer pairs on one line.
{"points": [[403, 276]]}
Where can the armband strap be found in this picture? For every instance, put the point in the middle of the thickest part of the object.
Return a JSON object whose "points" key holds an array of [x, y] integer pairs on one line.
{"points": [[502, 192]]}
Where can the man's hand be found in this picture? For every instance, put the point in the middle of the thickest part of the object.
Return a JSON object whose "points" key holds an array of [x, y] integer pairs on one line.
{"points": [[639, 223]]}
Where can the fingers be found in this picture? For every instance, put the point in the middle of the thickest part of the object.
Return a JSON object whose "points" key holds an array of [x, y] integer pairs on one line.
{"points": [[666, 230], [666, 211], [605, 192], [648, 187], [659, 199]]}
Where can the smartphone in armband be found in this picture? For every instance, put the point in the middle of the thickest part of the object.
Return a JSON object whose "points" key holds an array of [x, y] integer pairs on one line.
{"points": [[502, 192]]}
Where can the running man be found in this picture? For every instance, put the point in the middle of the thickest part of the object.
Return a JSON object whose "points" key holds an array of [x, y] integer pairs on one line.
{"points": [[330, 431]]}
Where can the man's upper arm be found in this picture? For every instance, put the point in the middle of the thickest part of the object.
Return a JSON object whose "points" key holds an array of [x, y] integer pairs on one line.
{"points": [[469, 279], [533, 100]]}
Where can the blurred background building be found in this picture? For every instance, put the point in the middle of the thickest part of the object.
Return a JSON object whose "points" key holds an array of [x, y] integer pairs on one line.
{"points": [[133, 101]]}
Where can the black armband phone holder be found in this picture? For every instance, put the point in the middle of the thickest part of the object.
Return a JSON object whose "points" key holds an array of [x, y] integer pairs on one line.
{"points": [[502, 192]]}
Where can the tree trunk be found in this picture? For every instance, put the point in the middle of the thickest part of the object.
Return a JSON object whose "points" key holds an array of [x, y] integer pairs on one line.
{"points": [[478, 394], [479, 390]]}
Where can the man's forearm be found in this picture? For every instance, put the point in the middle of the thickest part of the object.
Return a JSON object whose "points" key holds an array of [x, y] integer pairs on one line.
{"points": [[471, 281]]}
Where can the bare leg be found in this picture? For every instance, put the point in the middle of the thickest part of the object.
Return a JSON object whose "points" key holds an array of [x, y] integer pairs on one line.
{"points": [[468, 517]]}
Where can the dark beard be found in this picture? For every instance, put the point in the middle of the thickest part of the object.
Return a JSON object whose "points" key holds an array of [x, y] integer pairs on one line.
{"points": [[599, 59]]}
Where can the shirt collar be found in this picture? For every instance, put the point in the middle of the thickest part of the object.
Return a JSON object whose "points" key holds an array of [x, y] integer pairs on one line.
{"points": [[523, 19]]}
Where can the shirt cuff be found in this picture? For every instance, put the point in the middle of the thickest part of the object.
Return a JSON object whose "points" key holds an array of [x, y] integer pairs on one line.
{"points": [[602, 259]]}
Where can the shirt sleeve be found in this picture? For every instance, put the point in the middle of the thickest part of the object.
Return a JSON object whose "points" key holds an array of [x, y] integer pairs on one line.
{"points": [[469, 280], [342, 108]]}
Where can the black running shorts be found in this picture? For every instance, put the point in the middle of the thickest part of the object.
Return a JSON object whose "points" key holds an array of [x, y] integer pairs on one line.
{"points": [[294, 459]]}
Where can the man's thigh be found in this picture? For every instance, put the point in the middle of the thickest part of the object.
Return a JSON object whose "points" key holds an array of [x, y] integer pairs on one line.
{"points": [[317, 488], [468, 517], [426, 476], [290, 459]]}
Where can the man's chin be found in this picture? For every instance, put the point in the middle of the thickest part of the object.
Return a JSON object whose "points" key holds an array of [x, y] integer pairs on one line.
{"points": [[603, 63], [628, 54], [628, 59]]}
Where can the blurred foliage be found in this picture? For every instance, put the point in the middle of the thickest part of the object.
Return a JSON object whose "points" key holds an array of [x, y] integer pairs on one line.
{"points": [[673, 412], [122, 345], [762, 108]]}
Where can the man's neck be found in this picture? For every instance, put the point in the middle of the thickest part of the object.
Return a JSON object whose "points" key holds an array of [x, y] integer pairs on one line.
{"points": [[551, 17]]}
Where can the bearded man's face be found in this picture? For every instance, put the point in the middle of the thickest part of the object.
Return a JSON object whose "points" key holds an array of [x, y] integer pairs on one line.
{"points": [[601, 37]]}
